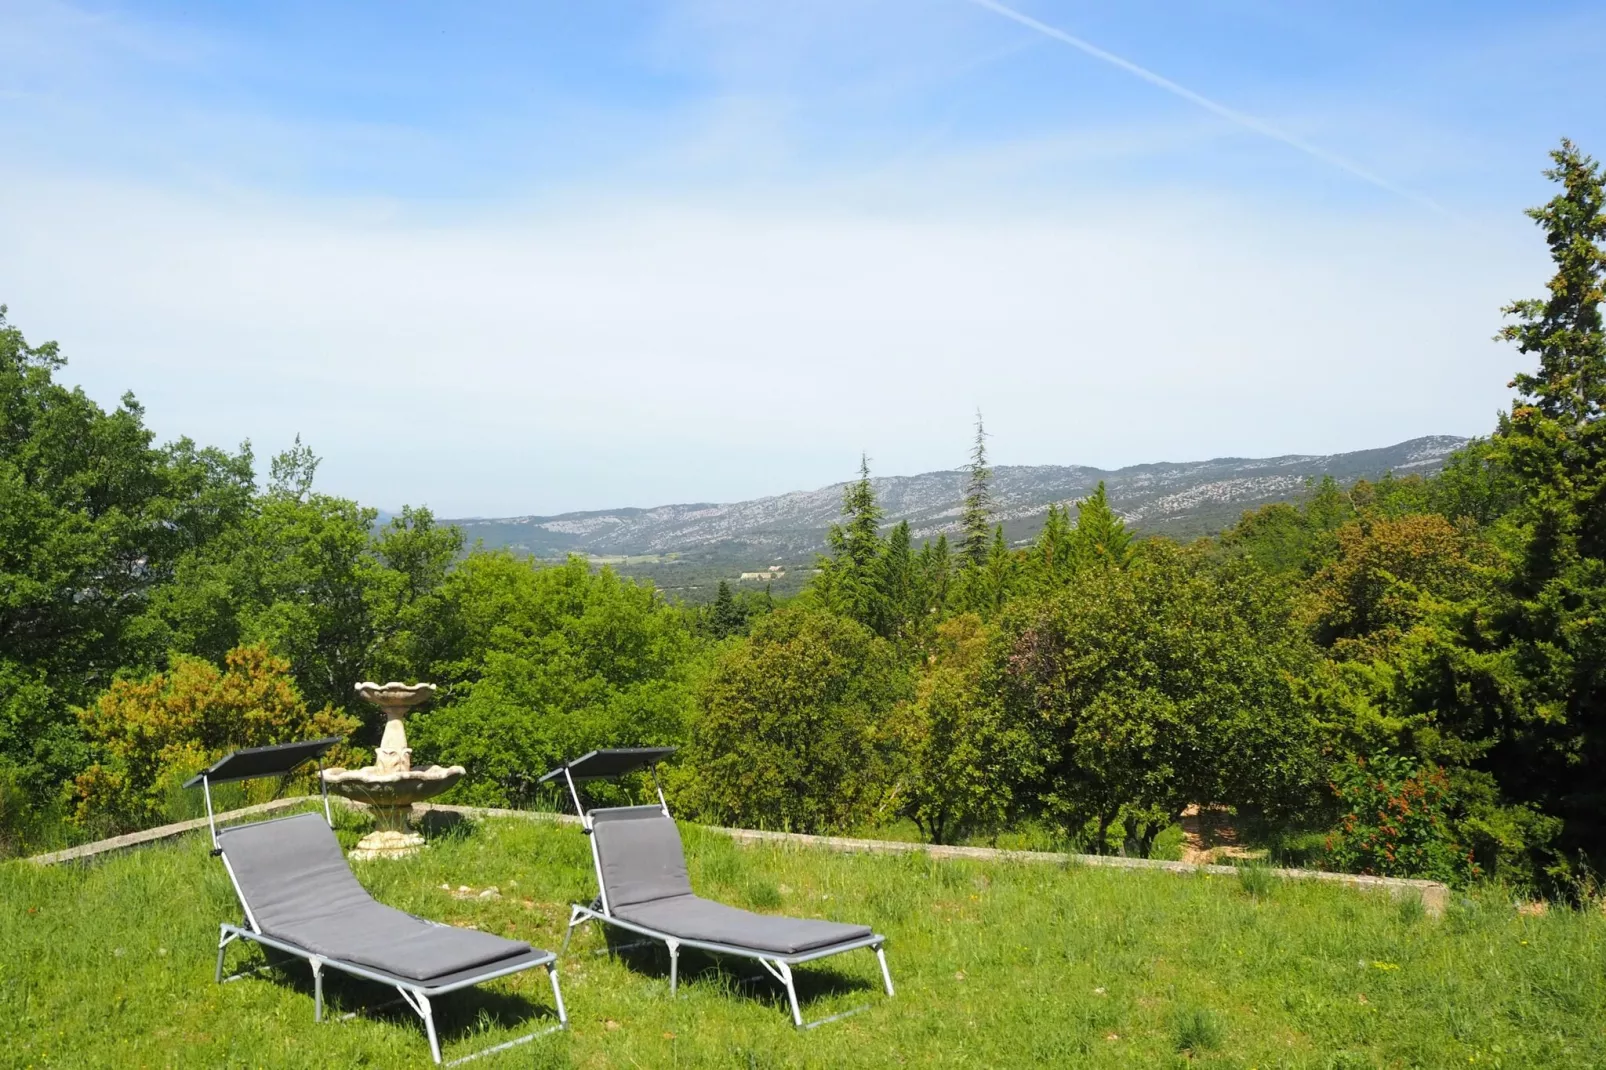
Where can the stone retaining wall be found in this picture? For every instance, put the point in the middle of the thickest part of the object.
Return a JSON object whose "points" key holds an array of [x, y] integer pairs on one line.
{"points": [[1434, 896], [162, 832]]}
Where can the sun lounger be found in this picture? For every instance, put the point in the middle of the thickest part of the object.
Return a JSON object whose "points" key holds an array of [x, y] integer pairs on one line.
{"points": [[299, 897], [643, 887]]}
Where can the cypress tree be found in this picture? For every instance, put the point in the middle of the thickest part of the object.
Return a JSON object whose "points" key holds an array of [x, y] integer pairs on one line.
{"points": [[726, 617], [999, 577], [895, 602], [933, 571], [1101, 537], [1051, 555], [977, 523], [942, 572]]}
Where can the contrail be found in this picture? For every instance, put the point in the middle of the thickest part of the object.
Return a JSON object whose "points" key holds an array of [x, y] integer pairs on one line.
{"points": [[1249, 122]]}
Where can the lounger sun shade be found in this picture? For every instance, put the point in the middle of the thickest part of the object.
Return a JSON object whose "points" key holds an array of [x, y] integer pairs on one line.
{"points": [[643, 888], [299, 897]]}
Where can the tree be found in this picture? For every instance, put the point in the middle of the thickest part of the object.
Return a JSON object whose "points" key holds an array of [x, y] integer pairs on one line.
{"points": [[1292, 540], [291, 473], [1565, 329], [544, 662], [151, 734], [1100, 539], [848, 581], [976, 525], [414, 555], [898, 603], [1474, 485], [1388, 574], [300, 573], [1146, 688], [934, 572], [93, 516], [1552, 621], [93, 520], [732, 612], [725, 617], [791, 733], [961, 763], [985, 590], [1051, 561]]}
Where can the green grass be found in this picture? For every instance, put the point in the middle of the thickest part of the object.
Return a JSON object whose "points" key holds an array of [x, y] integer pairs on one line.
{"points": [[996, 966]]}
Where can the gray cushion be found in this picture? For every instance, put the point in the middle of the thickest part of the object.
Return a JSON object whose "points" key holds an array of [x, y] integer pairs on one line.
{"points": [[644, 874], [299, 889], [691, 918], [641, 855]]}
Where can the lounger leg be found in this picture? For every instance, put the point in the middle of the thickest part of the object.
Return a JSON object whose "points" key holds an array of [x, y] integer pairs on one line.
{"points": [[429, 1026], [785, 972], [557, 994], [575, 918], [317, 989], [224, 939], [886, 974], [674, 965]]}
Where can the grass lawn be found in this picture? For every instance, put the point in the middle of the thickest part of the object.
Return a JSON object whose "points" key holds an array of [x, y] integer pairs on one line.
{"points": [[996, 966]]}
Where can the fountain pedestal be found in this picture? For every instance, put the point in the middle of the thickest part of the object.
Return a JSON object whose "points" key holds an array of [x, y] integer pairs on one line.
{"points": [[391, 785]]}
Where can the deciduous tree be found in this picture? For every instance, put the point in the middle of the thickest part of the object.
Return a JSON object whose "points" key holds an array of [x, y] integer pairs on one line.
{"points": [[792, 731]]}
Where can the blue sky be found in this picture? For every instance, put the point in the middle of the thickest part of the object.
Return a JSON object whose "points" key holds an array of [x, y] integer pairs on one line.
{"points": [[528, 258]]}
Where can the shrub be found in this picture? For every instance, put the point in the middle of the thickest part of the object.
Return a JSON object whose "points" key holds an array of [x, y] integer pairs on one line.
{"points": [[791, 733], [152, 733], [1396, 821]]}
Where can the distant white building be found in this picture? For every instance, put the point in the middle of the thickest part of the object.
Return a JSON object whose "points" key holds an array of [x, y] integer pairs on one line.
{"points": [[774, 572]]}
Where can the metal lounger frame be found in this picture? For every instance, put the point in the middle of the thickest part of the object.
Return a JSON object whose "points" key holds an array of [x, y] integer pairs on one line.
{"points": [[777, 965], [416, 994]]}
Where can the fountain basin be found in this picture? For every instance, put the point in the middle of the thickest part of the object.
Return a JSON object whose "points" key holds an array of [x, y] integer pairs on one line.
{"points": [[390, 797], [391, 785], [392, 789]]}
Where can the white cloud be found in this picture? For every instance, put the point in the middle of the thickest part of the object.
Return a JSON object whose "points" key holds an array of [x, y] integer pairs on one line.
{"points": [[845, 228], [615, 350]]}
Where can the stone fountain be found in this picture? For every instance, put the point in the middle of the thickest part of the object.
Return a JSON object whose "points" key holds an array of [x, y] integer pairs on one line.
{"points": [[391, 785]]}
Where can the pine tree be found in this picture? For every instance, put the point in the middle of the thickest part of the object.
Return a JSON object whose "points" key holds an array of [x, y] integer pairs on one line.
{"points": [[1565, 330], [977, 523], [861, 540], [1100, 538], [848, 579], [1553, 630]]}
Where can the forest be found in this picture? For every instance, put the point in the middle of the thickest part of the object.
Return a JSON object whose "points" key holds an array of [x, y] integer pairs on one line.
{"points": [[1403, 677]]}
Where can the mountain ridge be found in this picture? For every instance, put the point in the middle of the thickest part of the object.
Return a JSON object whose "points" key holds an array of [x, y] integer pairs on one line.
{"points": [[1180, 498]]}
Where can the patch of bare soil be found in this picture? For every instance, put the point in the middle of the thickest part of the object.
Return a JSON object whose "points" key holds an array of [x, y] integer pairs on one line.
{"points": [[1208, 837]]}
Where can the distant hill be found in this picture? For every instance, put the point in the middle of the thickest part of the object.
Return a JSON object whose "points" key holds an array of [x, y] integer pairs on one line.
{"points": [[1179, 499]]}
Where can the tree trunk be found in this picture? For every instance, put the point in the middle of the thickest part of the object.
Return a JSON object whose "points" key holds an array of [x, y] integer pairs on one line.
{"points": [[1151, 831], [1130, 844]]}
